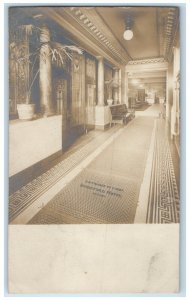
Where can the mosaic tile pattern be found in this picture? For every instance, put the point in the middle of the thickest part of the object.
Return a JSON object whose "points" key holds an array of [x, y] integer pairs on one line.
{"points": [[164, 203], [22, 198], [118, 167], [77, 204], [92, 197]]}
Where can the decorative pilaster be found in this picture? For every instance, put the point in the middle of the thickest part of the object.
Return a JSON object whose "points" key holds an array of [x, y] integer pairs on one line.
{"points": [[126, 89], [45, 74], [100, 81], [119, 88], [102, 112], [116, 88]]}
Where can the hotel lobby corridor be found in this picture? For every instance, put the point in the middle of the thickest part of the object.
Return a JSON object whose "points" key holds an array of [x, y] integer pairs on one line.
{"points": [[95, 197], [126, 176], [94, 105]]}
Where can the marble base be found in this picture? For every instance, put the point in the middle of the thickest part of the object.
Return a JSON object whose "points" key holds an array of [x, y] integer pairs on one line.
{"points": [[32, 141], [102, 117]]}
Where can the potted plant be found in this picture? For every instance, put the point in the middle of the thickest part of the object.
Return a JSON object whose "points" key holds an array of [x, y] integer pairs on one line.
{"points": [[110, 84], [27, 108], [25, 63], [20, 66]]}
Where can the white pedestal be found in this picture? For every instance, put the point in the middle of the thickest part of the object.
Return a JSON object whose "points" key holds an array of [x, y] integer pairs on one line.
{"points": [[33, 141], [102, 117]]}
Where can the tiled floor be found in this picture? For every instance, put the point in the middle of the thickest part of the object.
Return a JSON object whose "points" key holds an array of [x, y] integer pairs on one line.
{"points": [[119, 168], [25, 196], [106, 188], [164, 196]]}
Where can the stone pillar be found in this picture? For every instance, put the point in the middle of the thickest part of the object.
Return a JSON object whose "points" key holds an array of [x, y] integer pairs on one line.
{"points": [[45, 76], [124, 84], [167, 97], [127, 89], [102, 112], [116, 89], [100, 81]]}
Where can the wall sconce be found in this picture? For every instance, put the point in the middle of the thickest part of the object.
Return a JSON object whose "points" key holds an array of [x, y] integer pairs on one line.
{"points": [[128, 33]]}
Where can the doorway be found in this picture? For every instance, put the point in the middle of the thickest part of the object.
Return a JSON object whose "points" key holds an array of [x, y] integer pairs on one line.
{"points": [[61, 82]]}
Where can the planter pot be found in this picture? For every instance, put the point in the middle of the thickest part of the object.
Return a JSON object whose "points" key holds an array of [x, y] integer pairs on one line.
{"points": [[110, 102], [25, 111]]}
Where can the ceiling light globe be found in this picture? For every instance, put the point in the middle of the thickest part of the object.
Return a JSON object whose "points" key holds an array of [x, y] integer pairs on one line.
{"points": [[128, 35]]}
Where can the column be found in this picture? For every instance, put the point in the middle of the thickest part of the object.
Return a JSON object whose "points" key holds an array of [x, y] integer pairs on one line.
{"points": [[119, 88], [45, 76], [100, 81], [124, 86], [167, 97], [102, 111], [127, 89], [116, 88]]}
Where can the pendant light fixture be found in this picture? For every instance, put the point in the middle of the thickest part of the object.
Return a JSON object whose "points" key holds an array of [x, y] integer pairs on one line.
{"points": [[128, 33]]}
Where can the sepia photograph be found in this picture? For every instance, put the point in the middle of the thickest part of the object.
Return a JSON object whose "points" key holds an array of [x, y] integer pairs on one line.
{"points": [[94, 152], [94, 103]]}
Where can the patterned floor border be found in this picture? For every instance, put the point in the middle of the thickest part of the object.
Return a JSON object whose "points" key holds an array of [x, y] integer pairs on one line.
{"points": [[54, 206], [25, 196], [164, 203]]}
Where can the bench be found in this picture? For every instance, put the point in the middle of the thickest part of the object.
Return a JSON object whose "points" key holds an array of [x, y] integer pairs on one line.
{"points": [[121, 114]]}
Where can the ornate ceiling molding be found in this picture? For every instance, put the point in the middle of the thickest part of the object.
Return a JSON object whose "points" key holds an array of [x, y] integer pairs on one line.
{"points": [[169, 27], [85, 25], [170, 30], [144, 65], [146, 61], [78, 35], [90, 20]]}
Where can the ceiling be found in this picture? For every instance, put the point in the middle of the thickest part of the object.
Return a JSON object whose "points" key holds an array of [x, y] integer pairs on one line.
{"points": [[155, 30], [145, 41], [151, 38]]}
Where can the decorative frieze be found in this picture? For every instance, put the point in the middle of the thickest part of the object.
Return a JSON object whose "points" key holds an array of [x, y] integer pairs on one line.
{"points": [[146, 61], [92, 22], [168, 30]]}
